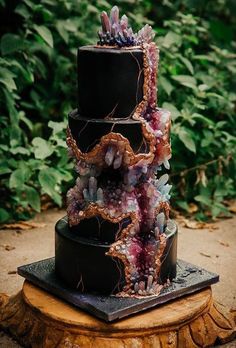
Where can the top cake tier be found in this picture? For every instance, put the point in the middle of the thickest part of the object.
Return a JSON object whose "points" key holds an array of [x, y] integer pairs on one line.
{"points": [[110, 81]]}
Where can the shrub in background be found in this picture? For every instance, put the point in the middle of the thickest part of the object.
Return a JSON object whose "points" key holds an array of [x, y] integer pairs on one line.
{"points": [[38, 87]]}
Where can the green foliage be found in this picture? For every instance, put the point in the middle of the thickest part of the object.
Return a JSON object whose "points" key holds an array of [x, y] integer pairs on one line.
{"points": [[38, 88], [197, 82]]}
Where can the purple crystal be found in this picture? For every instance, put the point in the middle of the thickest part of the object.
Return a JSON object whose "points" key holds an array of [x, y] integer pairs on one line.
{"points": [[106, 25], [116, 32], [110, 154], [114, 15], [92, 188]]}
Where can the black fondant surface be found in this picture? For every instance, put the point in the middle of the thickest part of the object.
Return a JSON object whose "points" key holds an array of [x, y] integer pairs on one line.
{"points": [[98, 230], [110, 81], [81, 261], [88, 132], [189, 279]]}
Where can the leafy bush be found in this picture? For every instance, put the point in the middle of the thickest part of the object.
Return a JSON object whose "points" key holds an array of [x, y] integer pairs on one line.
{"points": [[39, 43], [197, 82]]}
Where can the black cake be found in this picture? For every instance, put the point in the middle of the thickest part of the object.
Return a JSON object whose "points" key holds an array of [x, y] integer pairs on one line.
{"points": [[118, 237]]}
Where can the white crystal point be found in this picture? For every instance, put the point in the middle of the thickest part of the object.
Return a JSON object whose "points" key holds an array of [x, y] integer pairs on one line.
{"points": [[124, 24], [156, 231], [162, 181], [146, 34], [114, 15], [78, 181], [92, 188], [149, 282], [86, 194], [100, 195], [130, 32], [166, 189], [124, 19], [81, 183], [160, 221], [109, 157], [170, 226], [114, 29], [166, 164], [142, 285], [117, 161]]}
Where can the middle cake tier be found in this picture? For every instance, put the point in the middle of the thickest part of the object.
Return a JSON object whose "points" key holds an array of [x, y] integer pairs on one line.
{"points": [[88, 132]]}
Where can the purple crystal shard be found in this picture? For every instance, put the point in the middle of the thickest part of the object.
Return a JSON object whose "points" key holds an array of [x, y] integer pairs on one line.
{"points": [[116, 32], [106, 25]]}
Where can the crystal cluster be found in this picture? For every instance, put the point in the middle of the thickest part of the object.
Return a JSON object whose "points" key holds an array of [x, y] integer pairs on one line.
{"points": [[116, 31], [116, 183]]}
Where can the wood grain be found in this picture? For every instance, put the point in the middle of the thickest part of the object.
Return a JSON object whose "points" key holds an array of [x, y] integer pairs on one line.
{"points": [[38, 319]]}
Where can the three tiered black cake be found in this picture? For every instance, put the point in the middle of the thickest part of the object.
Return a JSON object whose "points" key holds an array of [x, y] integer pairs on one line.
{"points": [[118, 237]]}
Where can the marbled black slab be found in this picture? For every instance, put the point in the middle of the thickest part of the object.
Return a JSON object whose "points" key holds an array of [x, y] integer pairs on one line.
{"points": [[189, 279]]}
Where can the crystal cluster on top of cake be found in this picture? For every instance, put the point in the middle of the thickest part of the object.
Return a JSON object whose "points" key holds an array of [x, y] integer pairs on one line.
{"points": [[118, 238]]}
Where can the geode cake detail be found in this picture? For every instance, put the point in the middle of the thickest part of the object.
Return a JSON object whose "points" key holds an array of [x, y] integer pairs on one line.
{"points": [[117, 183], [117, 32]]}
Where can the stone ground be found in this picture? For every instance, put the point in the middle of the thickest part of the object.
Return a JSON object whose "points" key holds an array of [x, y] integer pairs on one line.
{"points": [[210, 248]]}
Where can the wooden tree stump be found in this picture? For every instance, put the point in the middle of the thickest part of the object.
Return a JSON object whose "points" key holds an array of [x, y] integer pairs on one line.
{"points": [[38, 319]]}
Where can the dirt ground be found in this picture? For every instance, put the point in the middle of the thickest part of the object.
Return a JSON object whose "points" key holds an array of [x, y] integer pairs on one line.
{"points": [[211, 248]]}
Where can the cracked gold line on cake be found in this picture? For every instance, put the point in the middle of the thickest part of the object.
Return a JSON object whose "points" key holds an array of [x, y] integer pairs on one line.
{"points": [[118, 238]]}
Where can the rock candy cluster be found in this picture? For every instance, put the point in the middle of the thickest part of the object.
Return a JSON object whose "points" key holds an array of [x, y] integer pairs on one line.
{"points": [[116, 31], [116, 183]]}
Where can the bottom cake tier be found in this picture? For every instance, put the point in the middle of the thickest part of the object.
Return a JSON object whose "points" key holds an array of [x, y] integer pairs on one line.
{"points": [[81, 261]]}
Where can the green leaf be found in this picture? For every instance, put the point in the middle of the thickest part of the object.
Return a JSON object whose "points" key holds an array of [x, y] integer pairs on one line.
{"points": [[33, 197], [45, 34], [203, 199], [203, 57], [6, 77], [26, 120], [170, 39], [202, 118], [4, 215], [48, 181], [61, 142], [4, 167], [218, 208], [11, 43], [186, 80], [10, 103], [186, 139], [17, 178], [62, 31], [183, 205], [22, 11], [42, 148], [174, 111], [166, 85], [192, 39], [15, 135], [30, 4], [57, 126], [20, 150], [187, 63]]}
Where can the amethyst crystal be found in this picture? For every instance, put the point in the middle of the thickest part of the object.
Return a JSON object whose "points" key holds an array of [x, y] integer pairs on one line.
{"points": [[116, 32]]}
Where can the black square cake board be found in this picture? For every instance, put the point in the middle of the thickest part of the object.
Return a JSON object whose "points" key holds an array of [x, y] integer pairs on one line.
{"points": [[189, 279]]}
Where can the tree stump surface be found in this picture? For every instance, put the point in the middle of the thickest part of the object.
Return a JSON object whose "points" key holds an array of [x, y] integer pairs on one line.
{"points": [[38, 319]]}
